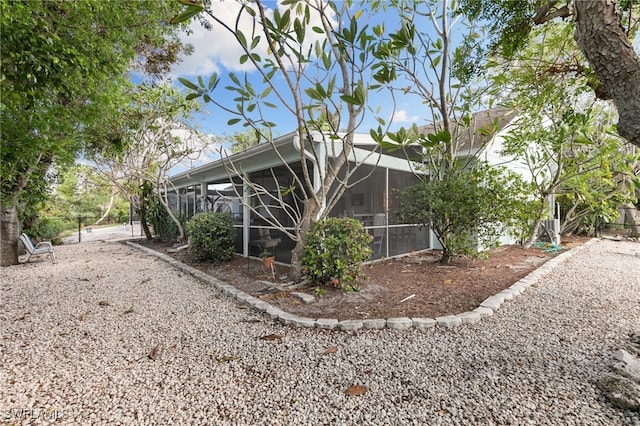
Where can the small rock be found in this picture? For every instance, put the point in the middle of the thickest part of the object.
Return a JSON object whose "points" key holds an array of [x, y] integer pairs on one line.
{"points": [[620, 391], [304, 297]]}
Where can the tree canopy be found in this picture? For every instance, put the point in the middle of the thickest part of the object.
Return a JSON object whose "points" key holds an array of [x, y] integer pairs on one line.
{"points": [[63, 67], [603, 29]]}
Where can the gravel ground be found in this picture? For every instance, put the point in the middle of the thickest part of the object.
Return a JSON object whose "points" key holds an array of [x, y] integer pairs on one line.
{"points": [[78, 338]]}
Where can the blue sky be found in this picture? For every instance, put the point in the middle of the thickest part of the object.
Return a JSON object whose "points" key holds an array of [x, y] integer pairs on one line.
{"points": [[216, 51]]}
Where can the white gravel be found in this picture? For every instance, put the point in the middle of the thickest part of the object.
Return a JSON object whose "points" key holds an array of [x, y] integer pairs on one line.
{"points": [[76, 336]]}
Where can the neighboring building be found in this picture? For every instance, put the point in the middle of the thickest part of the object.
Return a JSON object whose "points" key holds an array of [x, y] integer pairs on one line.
{"points": [[216, 186]]}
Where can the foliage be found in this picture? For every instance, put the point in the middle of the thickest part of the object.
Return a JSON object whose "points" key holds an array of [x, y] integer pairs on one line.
{"points": [[63, 67], [468, 210], [510, 24], [163, 225], [465, 203], [316, 60], [211, 236], [334, 251], [81, 192], [604, 30], [423, 53], [45, 229], [565, 137], [265, 254], [156, 136], [241, 141]]}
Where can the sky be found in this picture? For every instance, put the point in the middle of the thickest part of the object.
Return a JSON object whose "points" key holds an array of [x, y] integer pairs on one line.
{"points": [[216, 51]]}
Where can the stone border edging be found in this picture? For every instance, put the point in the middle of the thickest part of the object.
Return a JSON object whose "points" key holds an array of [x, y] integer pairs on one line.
{"points": [[486, 308]]}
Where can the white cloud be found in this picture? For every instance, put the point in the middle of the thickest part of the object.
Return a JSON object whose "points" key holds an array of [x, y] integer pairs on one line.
{"points": [[402, 116], [217, 48]]}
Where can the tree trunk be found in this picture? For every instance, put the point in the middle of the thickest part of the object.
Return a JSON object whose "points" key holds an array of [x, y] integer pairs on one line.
{"points": [[9, 235], [614, 60], [310, 212], [176, 221], [142, 212], [113, 196], [630, 218]]}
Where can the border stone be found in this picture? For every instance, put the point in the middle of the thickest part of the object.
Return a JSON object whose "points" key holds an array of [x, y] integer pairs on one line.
{"points": [[470, 317], [326, 323], [486, 308], [232, 291], [245, 297], [449, 321], [378, 323], [513, 291], [492, 302], [423, 323], [484, 311], [348, 325], [506, 294], [304, 322], [521, 286], [274, 312], [287, 318], [402, 323]]}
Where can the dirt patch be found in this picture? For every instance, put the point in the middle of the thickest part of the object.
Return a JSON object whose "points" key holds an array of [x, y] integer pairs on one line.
{"points": [[412, 286]]}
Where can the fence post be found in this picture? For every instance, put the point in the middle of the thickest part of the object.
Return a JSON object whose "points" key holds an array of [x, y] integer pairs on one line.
{"points": [[79, 229]]}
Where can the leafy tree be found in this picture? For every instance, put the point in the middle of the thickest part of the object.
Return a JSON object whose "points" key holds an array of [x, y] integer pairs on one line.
{"points": [[81, 192], [603, 29], [430, 62], [63, 65], [156, 137], [563, 136], [241, 141], [324, 52], [426, 58], [468, 210]]}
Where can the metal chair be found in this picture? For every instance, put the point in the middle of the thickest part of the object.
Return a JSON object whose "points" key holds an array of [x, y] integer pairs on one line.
{"points": [[44, 247]]}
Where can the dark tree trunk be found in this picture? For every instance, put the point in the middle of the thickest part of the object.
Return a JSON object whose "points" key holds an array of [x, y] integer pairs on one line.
{"points": [[310, 211], [9, 234], [142, 212], [613, 59]]}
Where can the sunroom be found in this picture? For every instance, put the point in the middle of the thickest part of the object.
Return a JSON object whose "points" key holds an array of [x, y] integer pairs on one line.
{"points": [[265, 219]]}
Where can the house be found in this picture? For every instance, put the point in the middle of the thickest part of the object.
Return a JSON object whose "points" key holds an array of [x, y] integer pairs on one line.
{"points": [[371, 199]]}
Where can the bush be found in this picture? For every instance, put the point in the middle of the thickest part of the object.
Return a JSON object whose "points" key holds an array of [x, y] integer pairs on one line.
{"points": [[163, 226], [211, 236], [334, 251], [45, 229], [469, 210]]}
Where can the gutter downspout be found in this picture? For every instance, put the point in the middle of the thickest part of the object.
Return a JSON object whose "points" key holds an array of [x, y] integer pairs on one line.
{"points": [[245, 219]]}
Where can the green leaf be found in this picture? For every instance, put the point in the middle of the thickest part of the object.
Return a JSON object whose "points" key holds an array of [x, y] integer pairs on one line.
{"points": [[233, 121], [350, 100], [241, 39], [299, 29], [187, 83], [191, 10], [255, 42], [213, 82]]}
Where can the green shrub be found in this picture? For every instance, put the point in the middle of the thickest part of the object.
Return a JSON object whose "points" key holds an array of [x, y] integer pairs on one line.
{"points": [[211, 236], [163, 226], [45, 229], [334, 251]]}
